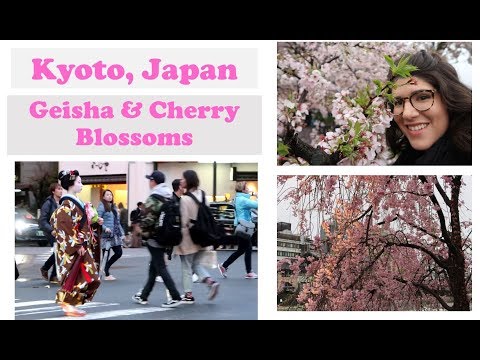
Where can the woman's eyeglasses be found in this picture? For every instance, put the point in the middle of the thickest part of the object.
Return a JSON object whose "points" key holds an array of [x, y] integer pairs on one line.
{"points": [[421, 100]]}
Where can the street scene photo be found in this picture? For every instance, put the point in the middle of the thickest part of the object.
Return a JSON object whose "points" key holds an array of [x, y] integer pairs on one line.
{"points": [[374, 243], [136, 240]]}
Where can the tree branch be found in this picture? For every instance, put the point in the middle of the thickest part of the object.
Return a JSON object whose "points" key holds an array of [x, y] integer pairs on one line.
{"points": [[438, 260], [307, 152], [290, 72], [427, 290], [364, 270], [363, 215], [383, 222], [442, 193], [441, 216], [421, 229]]}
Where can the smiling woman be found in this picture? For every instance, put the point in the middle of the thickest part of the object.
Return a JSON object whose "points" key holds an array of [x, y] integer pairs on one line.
{"points": [[433, 115]]}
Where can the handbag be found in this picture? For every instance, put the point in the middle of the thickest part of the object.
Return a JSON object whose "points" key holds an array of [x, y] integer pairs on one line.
{"points": [[244, 229]]}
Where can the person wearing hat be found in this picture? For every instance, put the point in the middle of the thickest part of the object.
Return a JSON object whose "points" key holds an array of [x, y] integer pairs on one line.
{"points": [[157, 252]]}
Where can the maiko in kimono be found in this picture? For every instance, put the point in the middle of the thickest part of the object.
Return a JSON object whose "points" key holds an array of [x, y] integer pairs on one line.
{"points": [[78, 247]]}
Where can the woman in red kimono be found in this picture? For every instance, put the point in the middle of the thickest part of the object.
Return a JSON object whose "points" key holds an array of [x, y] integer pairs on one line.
{"points": [[77, 247]]}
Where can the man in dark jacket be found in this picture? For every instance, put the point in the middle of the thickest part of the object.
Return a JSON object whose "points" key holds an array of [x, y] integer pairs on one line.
{"points": [[48, 207], [153, 204], [135, 216]]}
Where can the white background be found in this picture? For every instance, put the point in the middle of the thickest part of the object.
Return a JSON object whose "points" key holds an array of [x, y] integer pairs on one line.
{"points": [[267, 168]]}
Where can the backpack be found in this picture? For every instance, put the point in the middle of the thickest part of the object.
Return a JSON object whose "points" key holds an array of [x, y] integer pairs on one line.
{"points": [[168, 230], [205, 230]]}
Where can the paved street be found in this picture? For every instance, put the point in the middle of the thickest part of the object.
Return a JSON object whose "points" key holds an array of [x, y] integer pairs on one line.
{"points": [[35, 298]]}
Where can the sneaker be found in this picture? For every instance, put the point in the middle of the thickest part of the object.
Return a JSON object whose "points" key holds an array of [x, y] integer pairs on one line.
{"points": [[110, 278], [195, 278], [251, 275], [188, 300], [44, 273], [213, 290], [222, 270], [138, 299], [171, 304], [54, 280], [159, 279]]}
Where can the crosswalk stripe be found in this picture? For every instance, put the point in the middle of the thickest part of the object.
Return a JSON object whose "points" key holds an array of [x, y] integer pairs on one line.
{"points": [[33, 303], [110, 314], [51, 309]]}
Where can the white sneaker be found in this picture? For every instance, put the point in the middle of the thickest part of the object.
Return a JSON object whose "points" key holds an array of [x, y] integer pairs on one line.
{"points": [[110, 278]]}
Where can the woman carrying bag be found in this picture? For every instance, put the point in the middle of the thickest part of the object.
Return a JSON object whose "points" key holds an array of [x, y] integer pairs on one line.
{"points": [[243, 231]]}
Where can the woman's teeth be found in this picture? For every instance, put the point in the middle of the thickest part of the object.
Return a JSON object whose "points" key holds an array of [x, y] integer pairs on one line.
{"points": [[417, 127]]}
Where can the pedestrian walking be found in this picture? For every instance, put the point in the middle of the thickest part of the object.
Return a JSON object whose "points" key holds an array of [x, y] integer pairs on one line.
{"points": [[191, 253], [157, 263], [112, 232], [48, 208], [243, 208]]}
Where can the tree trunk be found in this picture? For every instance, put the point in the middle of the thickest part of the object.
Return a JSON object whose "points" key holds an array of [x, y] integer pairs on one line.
{"points": [[456, 262]]}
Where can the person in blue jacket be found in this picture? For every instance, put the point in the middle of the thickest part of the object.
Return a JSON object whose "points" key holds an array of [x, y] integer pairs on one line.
{"points": [[243, 207]]}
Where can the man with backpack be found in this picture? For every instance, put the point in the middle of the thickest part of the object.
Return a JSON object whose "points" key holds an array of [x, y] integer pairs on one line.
{"points": [[149, 223]]}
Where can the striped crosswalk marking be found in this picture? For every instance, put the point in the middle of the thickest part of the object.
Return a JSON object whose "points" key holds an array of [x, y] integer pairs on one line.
{"points": [[56, 308], [47, 307], [33, 303], [111, 314]]}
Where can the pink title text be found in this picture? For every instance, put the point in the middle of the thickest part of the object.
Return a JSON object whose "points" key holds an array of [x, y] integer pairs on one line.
{"points": [[155, 70]]}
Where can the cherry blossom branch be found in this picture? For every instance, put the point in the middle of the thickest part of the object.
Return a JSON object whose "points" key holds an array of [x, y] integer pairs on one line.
{"points": [[469, 278], [421, 229], [290, 72], [466, 239], [407, 192], [442, 192], [441, 216], [307, 152], [363, 215], [383, 222], [427, 290], [438, 259], [364, 270], [368, 227]]}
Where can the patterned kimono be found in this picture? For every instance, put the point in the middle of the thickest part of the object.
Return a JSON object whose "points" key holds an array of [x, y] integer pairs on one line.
{"points": [[73, 230]]}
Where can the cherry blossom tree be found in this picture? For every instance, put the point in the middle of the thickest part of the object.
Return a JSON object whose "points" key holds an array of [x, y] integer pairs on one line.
{"points": [[316, 82], [382, 242]]}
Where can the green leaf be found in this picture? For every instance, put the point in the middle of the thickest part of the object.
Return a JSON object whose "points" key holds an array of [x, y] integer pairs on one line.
{"points": [[403, 68], [282, 149], [390, 98], [379, 88], [357, 128], [346, 150], [390, 62]]}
